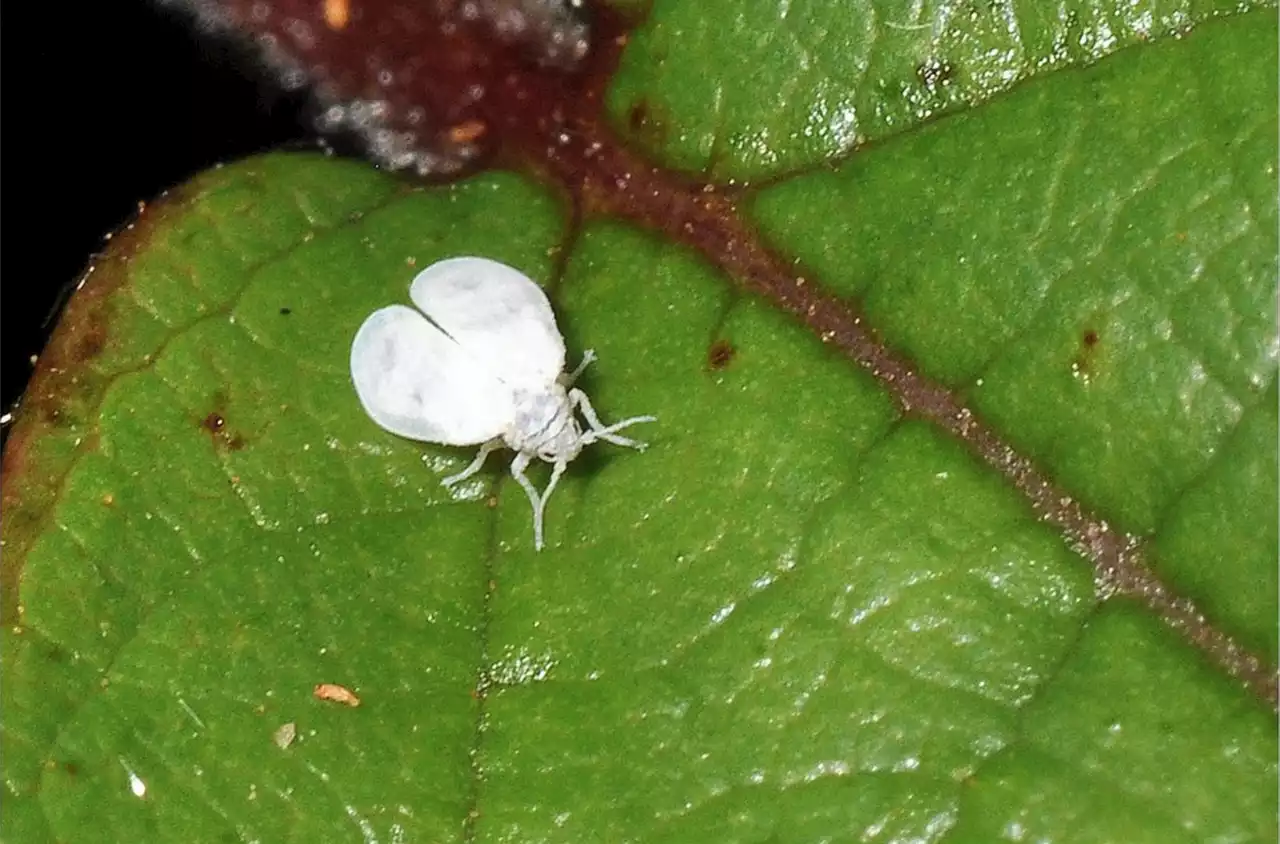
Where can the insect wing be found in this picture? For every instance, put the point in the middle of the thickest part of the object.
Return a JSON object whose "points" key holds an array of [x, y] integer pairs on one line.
{"points": [[497, 314], [416, 382]]}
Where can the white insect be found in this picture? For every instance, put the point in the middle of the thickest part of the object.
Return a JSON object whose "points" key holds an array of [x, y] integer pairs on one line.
{"points": [[484, 366]]}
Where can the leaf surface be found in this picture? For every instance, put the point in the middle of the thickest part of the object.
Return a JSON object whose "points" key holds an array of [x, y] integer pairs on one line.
{"points": [[801, 614]]}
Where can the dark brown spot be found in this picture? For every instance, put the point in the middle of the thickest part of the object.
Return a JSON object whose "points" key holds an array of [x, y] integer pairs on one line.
{"points": [[1082, 364], [216, 424], [50, 409], [645, 123], [91, 342], [71, 768], [285, 311], [721, 354], [638, 115]]}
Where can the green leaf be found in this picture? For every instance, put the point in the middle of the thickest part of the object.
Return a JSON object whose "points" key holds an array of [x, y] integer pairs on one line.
{"points": [[749, 89], [797, 616], [1126, 267]]}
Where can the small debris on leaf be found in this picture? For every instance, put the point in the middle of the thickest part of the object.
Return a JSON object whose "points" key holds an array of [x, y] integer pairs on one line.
{"points": [[467, 131], [337, 13], [284, 736], [336, 693]]}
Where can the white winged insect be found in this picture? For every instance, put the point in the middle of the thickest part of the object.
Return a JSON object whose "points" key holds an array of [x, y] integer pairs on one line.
{"points": [[480, 362]]}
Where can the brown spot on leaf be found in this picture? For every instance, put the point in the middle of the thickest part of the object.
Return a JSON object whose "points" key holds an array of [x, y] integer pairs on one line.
{"points": [[1084, 361], [638, 115], [646, 124], [49, 408], [721, 354], [91, 342], [216, 424]]}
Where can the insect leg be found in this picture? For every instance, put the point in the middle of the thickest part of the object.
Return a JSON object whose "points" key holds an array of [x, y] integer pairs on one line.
{"points": [[587, 357], [517, 471], [475, 464], [599, 431], [556, 471]]}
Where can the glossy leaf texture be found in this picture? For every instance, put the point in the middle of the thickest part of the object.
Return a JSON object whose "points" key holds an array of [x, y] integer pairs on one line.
{"points": [[800, 615]]}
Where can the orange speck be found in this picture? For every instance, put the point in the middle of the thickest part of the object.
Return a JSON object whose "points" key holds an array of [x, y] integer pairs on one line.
{"points": [[336, 693], [337, 13], [467, 131]]}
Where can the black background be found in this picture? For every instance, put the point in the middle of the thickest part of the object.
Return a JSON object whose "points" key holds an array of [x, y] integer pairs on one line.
{"points": [[108, 104]]}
